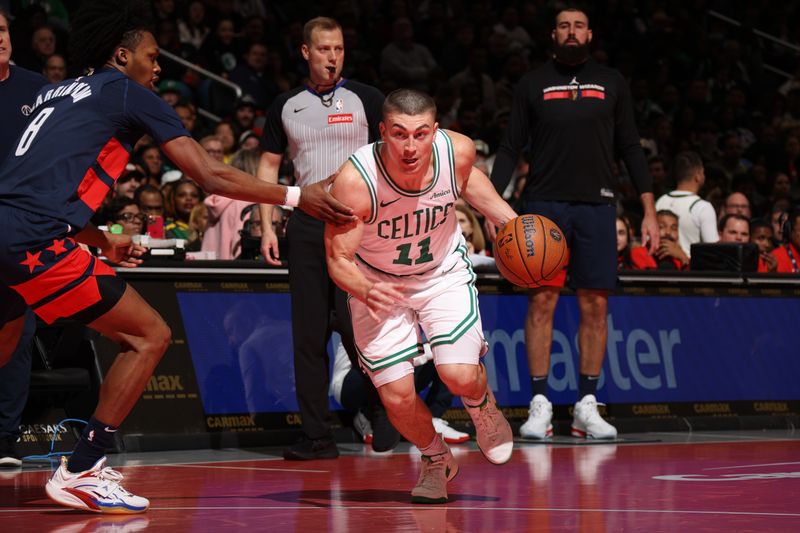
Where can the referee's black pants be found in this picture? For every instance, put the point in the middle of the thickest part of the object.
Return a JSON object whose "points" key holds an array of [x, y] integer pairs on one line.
{"points": [[318, 308]]}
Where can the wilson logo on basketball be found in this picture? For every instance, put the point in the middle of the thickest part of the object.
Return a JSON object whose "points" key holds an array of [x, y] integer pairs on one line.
{"points": [[339, 119]]}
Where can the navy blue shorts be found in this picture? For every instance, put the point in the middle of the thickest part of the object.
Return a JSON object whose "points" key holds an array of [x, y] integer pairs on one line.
{"points": [[590, 230]]}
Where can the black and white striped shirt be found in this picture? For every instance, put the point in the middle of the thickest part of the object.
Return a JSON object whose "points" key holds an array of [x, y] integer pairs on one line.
{"points": [[321, 137]]}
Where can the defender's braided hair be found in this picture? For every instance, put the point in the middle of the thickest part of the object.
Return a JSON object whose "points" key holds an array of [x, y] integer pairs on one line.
{"points": [[100, 26]]}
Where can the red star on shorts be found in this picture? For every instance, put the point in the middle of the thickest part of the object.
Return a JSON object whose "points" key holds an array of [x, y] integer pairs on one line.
{"points": [[58, 247], [32, 260]]}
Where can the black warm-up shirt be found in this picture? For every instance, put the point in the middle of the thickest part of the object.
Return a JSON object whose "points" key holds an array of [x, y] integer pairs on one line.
{"points": [[578, 120]]}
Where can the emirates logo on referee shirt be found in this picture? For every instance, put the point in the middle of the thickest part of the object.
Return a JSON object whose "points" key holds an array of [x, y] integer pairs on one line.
{"points": [[340, 119]]}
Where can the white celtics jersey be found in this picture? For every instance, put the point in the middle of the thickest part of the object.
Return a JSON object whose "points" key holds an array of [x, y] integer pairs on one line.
{"points": [[409, 232]]}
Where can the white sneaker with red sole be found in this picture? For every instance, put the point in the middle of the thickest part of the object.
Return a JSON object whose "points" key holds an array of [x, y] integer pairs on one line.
{"points": [[97, 489], [450, 435]]}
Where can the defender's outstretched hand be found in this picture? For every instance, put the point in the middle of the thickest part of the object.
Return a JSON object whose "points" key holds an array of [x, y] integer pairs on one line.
{"points": [[317, 201], [120, 249]]}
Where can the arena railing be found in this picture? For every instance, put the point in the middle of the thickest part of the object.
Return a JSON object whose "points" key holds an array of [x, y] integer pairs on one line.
{"points": [[215, 78]]}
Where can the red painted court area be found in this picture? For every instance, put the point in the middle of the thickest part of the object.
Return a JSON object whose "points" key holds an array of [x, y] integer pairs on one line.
{"points": [[745, 484]]}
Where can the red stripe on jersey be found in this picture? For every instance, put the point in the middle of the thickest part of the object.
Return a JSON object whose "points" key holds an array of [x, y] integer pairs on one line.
{"points": [[113, 158], [77, 299], [558, 95], [591, 93], [56, 277], [92, 190]]}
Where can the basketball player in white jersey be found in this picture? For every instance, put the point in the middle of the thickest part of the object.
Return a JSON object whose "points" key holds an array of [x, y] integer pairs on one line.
{"points": [[405, 266]]}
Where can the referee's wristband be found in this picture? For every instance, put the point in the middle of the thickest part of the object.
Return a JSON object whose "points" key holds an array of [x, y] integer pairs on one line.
{"points": [[292, 196]]}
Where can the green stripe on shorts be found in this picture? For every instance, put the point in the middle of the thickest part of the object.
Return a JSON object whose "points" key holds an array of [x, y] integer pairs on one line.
{"points": [[472, 315]]}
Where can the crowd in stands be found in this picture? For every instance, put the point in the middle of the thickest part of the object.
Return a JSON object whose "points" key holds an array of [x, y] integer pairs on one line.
{"points": [[699, 85]]}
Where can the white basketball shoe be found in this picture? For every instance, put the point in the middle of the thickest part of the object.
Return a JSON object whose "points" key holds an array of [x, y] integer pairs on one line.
{"points": [[540, 416], [97, 489], [450, 435], [588, 423]]}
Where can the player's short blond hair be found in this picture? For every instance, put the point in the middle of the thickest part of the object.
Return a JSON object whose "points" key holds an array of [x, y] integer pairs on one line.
{"points": [[408, 102]]}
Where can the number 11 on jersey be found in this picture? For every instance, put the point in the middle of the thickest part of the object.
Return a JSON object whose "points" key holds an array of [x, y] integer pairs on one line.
{"points": [[425, 255]]}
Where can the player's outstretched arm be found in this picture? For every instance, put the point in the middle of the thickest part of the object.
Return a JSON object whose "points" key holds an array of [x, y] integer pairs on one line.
{"points": [[479, 192], [474, 185], [342, 242], [218, 178]]}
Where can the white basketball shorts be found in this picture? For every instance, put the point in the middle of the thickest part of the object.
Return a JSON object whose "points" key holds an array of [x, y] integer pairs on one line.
{"points": [[443, 303]]}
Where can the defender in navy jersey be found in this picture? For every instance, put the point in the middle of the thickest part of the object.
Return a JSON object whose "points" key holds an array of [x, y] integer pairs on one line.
{"points": [[75, 146], [404, 263]]}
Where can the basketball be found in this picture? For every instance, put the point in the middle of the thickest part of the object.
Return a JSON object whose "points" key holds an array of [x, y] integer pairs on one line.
{"points": [[529, 250]]}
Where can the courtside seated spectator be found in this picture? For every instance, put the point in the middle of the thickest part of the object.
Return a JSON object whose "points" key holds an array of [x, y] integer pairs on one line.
{"points": [[788, 254], [225, 214], [127, 184], [213, 145], [669, 255], [55, 68], [186, 195], [148, 158], [736, 204], [150, 200], [734, 228], [198, 222], [761, 235], [124, 212], [470, 229], [227, 136]]}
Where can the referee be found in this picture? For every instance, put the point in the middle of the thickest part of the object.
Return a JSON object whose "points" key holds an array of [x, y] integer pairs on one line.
{"points": [[321, 123], [577, 117]]}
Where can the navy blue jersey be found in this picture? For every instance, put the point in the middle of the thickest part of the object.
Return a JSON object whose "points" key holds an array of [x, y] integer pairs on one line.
{"points": [[17, 93], [77, 143]]}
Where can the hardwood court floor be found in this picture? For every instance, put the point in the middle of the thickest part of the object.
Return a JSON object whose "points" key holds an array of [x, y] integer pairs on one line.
{"points": [[726, 481]]}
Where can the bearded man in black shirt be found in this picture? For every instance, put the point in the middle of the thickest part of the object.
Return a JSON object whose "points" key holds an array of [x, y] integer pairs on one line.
{"points": [[577, 118]]}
